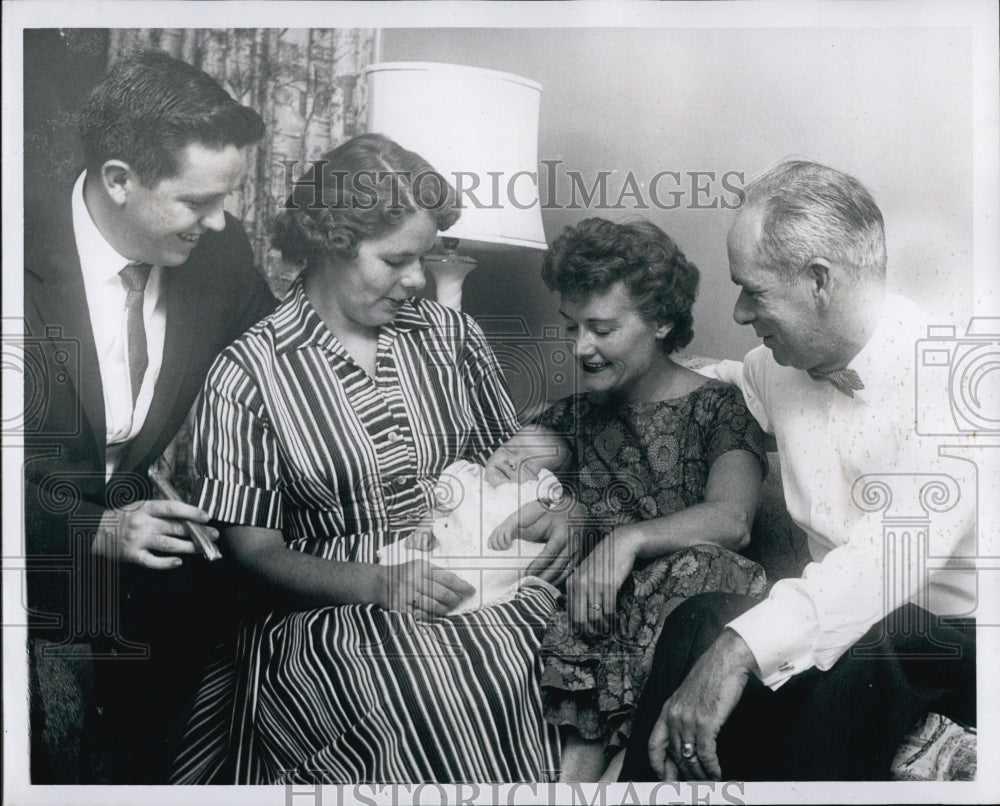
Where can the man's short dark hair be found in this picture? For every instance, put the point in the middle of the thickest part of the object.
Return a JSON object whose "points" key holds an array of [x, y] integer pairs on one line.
{"points": [[150, 106]]}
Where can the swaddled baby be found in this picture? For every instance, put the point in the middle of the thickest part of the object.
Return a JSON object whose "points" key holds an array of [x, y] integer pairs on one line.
{"points": [[471, 501]]}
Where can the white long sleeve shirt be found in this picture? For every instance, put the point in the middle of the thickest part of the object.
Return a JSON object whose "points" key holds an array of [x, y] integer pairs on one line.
{"points": [[827, 441], [106, 294]]}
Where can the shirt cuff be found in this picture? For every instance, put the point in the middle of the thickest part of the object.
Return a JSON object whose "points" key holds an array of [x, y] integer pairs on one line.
{"points": [[235, 503], [778, 637]]}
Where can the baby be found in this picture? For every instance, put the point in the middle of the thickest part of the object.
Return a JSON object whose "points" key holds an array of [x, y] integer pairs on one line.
{"points": [[530, 451], [472, 501], [533, 452]]}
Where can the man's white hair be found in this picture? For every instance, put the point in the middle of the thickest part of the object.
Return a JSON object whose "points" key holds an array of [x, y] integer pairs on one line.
{"points": [[812, 211]]}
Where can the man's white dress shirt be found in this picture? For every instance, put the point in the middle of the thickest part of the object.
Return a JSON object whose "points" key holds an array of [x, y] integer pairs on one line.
{"points": [[106, 294], [826, 442]]}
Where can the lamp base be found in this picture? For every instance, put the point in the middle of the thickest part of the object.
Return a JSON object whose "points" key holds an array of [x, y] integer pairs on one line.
{"points": [[449, 269]]}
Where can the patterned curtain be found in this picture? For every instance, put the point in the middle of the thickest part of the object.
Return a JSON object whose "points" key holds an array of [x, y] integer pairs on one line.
{"points": [[308, 85]]}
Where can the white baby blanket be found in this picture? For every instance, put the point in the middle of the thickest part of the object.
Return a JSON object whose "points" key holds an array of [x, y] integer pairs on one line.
{"points": [[467, 510]]}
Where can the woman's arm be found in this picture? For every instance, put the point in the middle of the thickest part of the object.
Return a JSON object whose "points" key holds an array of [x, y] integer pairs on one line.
{"points": [[304, 581], [724, 517], [732, 494]]}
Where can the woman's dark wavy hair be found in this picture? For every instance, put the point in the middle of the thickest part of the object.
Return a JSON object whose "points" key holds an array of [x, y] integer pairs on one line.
{"points": [[150, 106], [358, 191], [595, 254]]}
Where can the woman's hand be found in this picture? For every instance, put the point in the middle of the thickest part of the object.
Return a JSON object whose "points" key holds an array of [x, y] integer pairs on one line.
{"points": [[422, 589], [592, 590]]}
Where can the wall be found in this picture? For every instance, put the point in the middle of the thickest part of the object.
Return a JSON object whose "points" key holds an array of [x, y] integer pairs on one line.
{"points": [[890, 106]]}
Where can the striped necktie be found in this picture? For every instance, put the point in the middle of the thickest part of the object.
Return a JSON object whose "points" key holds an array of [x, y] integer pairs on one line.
{"points": [[846, 380], [135, 276]]}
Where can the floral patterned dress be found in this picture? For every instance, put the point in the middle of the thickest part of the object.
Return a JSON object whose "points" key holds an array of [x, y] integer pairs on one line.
{"points": [[631, 463]]}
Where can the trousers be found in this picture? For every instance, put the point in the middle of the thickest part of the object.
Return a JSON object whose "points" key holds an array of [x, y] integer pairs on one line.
{"points": [[842, 724], [146, 674]]}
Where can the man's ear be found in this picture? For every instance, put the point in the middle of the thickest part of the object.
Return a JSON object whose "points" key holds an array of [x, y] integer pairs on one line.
{"points": [[117, 179], [820, 273]]}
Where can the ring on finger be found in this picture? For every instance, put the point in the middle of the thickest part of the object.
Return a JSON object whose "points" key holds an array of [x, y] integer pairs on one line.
{"points": [[596, 607], [687, 750]]}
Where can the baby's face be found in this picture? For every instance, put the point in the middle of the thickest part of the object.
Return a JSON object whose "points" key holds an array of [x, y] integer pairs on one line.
{"points": [[506, 462], [523, 457]]}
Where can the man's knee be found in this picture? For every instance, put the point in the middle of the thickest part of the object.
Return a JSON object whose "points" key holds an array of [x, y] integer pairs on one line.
{"points": [[692, 627], [709, 611]]}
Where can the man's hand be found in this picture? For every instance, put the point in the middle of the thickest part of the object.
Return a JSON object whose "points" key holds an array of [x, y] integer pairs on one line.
{"points": [[133, 534], [536, 523], [691, 719]]}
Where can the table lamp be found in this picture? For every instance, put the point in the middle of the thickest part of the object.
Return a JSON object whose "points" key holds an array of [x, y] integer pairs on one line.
{"points": [[479, 128]]}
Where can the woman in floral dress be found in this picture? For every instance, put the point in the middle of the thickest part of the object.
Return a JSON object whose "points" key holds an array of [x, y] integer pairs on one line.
{"points": [[664, 468]]}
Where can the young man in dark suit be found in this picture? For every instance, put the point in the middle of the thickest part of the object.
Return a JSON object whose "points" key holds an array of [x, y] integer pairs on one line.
{"points": [[135, 279]]}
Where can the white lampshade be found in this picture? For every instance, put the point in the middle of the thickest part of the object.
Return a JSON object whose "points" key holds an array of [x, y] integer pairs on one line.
{"points": [[468, 122]]}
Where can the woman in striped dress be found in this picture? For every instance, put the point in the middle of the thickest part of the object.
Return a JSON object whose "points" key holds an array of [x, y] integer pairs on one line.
{"points": [[321, 433]]}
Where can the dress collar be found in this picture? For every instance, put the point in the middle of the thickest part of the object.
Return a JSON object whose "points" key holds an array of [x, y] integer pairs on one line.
{"points": [[298, 325]]}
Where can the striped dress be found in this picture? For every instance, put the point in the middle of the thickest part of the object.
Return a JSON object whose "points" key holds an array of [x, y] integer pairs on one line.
{"points": [[293, 435]]}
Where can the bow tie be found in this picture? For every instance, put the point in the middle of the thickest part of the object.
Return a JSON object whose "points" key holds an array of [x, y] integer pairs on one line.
{"points": [[846, 380]]}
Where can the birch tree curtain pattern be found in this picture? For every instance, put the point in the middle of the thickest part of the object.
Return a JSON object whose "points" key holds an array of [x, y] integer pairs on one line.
{"points": [[308, 85]]}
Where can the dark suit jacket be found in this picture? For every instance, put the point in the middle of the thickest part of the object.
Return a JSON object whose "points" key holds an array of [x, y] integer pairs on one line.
{"points": [[210, 300]]}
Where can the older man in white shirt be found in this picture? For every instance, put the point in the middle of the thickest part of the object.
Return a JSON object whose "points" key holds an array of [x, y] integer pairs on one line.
{"points": [[823, 678]]}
